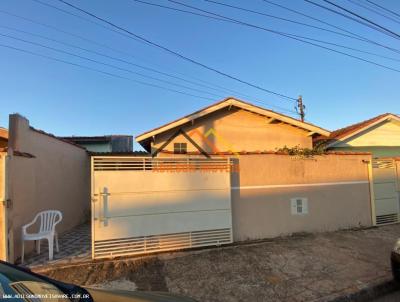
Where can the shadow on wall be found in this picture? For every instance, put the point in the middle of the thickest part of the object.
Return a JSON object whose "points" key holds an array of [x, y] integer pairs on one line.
{"points": [[44, 173]]}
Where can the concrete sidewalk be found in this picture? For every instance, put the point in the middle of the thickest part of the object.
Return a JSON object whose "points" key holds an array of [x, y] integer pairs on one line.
{"points": [[318, 267]]}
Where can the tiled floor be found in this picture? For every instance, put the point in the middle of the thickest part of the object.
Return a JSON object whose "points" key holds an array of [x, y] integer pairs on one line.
{"points": [[75, 246]]}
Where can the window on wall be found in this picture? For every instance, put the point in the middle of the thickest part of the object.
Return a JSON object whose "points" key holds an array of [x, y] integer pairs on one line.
{"points": [[299, 205], [180, 148]]}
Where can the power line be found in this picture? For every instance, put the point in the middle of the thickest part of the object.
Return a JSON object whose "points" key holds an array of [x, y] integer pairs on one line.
{"points": [[362, 38], [374, 11], [78, 16], [179, 54], [106, 64], [384, 8], [363, 18], [276, 17], [292, 36], [209, 84], [103, 55], [351, 18], [303, 37], [177, 9], [127, 70], [100, 71]]}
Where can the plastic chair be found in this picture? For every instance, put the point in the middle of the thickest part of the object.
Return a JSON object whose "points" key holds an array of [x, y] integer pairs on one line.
{"points": [[48, 221]]}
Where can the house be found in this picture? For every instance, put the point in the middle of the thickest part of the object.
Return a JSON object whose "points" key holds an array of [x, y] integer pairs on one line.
{"points": [[105, 143], [217, 176], [231, 125], [381, 137], [3, 138]]}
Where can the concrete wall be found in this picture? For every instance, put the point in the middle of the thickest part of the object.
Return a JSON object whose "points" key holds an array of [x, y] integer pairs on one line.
{"points": [[56, 177], [376, 151], [336, 187], [3, 232], [236, 130]]}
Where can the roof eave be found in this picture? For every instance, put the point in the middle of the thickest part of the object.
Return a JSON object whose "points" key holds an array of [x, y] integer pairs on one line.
{"points": [[229, 102], [351, 134]]}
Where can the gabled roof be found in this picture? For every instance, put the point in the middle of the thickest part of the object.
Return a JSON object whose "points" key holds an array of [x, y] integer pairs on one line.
{"points": [[349, 131], [3, 133], [236, 103]]}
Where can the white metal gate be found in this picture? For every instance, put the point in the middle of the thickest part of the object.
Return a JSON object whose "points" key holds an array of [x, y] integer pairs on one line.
{"points": [[385, 191], [144, 205]]}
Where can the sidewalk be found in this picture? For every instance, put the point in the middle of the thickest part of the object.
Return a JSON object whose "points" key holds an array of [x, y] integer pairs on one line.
{"points": [[317, 267]]}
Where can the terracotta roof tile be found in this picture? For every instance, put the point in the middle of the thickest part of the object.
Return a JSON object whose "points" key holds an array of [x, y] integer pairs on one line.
{"points": [[339, 133], [344, 132]]}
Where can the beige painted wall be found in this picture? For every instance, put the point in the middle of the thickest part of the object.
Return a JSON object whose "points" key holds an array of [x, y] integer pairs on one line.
{"points": [[2, 208], [260, 212], [386, 133], [398, 173], [58, 177], [237, 130]]}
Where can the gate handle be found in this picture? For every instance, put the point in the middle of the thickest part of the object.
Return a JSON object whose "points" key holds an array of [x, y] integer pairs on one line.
{"points": [[104, 213]]}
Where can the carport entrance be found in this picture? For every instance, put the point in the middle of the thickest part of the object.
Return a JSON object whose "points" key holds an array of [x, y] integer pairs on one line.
{"points": [[143, 205], [385, 191]]}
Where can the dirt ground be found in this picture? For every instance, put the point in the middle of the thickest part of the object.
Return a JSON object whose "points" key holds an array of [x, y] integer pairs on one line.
{"points": [[317, 267]]}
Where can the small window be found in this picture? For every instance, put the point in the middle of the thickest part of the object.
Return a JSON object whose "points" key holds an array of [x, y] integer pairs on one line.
{"points": [[299, 206], [180, 148]]}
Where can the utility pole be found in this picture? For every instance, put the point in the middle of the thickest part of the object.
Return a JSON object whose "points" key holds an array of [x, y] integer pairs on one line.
{"points": [[300, 108]]}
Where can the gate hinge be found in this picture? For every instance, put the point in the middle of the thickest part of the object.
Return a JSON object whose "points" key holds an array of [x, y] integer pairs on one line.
{"points": [[7, 203]]}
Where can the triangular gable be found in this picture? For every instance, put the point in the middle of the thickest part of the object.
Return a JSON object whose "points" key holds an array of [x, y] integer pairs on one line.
{"points": [[373, 132], [312, 129]]}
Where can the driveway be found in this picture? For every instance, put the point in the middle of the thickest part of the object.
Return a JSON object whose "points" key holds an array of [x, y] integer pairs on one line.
{"points": [[317, 267]]}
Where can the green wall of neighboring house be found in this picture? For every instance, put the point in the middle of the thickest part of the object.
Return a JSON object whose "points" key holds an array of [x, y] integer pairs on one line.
{"points": [[98, 147], [376, 151]]}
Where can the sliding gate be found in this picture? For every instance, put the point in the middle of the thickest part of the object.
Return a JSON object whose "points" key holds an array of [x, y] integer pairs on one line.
{"points": [[143, 205], [386, 190]]}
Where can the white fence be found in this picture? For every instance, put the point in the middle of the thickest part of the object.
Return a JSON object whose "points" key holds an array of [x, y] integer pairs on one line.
{"points": [[143, 205]]}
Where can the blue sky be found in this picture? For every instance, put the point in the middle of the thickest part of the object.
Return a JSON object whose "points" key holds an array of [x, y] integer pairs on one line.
{"points": [[67, 100]]}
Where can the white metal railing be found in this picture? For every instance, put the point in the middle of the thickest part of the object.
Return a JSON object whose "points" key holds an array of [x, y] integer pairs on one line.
{"points": [[383, 164], [113, 163]]}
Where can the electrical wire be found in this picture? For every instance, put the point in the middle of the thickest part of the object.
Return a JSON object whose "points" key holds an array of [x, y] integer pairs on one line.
{"points": [[363, 18], [303, 37], [292, 36], [179, 55], [208, 85], [385, 9], [101, 71], [106, 64], [374, 11], [365, 39], [351, 18]]}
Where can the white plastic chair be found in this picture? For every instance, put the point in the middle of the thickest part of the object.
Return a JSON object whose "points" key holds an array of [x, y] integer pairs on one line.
{"points": [[48, 221]]}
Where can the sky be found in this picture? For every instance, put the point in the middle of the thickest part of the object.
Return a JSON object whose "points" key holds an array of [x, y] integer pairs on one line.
{"points": [[63, 98]]}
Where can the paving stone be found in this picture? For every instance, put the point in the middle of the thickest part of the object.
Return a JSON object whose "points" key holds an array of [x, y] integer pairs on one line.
{"points": [[74, 246]]}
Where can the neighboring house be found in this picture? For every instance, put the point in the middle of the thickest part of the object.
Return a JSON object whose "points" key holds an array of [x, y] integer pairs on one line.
{"points": [[3, 138], [229, 126], [381, 137], [105, 143]]}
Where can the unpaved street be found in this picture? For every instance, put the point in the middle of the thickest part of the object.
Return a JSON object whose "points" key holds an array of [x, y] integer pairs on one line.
{"points": [[315, 267]]}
